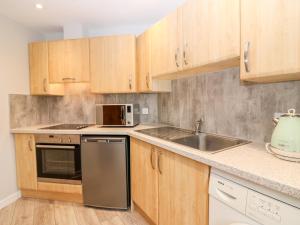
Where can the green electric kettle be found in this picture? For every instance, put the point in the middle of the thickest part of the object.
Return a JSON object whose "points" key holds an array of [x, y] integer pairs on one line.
{"points": [[285, 142]]}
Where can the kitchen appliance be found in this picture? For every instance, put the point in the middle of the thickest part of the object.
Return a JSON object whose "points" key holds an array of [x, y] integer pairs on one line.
{"points": [[105, 171], [118, 115], [58, 158], [234, 201], [285, 142], [67, 127]]}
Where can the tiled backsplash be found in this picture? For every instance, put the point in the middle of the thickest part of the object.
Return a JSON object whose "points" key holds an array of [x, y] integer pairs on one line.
{"points": [[228, 106], [33, 110]]}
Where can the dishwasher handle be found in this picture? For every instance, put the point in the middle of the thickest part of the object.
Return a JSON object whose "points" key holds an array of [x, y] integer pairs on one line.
{"points": [[104, 140]]}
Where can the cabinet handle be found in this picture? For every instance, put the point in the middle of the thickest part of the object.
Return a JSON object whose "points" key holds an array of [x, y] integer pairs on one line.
{"points": [[68, 79], [45, 85], [185, 55], [152, 159], [176, 58], [130, 82], [148, 80], [29, 145], [246, 56], [159, 162]]}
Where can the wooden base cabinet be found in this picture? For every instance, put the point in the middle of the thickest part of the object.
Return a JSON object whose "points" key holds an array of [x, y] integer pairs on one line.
{"points": [[26, 161], [174, 188], [27, 175]]}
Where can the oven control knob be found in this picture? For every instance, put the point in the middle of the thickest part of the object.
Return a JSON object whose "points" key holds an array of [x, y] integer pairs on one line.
{"points": [[61, 140], [70, 140]]}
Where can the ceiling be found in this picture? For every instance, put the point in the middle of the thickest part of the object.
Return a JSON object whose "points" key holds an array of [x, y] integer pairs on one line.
{"points": [[89, 13]]}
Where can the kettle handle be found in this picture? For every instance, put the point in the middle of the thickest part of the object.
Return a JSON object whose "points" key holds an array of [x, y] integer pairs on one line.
{"points": [[275, 120]]}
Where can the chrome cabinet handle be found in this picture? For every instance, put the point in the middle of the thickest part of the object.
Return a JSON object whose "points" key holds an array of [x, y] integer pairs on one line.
{"points": [[69, 79], [246, 56], [176, 58], [152, 158], [148, 80], [185, 55], [159, 162], [29, 145], [130, 82], [45, 85]]}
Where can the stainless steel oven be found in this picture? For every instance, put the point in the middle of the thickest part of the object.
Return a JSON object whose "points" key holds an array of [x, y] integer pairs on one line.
{"points": [[58, 158], [117, 115]]}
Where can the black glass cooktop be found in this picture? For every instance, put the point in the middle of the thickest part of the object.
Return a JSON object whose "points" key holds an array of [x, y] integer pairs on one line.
{"points": [[67, 127]]}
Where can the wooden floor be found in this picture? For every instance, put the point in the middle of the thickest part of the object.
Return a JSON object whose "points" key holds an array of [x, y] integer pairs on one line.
{"points": [[44, 212]]}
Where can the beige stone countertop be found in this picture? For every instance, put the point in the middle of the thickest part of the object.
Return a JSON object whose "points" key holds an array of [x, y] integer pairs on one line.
{"points": [[96, 129], [250, 162]]}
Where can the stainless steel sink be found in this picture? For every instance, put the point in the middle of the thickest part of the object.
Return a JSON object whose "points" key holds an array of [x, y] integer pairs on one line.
{"points": [[211, 143]]}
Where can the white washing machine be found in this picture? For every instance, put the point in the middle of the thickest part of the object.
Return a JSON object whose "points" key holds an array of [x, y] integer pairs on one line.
{"points": [[233, 201]]}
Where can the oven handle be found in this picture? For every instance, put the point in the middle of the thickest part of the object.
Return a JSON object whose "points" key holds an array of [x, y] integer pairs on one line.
{"points": [[56, 146]]}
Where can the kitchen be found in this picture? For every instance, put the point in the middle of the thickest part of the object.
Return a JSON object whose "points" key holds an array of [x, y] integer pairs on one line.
{"points": [[188, 116]]}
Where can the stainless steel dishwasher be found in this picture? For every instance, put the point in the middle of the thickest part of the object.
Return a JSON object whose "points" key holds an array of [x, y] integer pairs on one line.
{"points": [[105, 171]]}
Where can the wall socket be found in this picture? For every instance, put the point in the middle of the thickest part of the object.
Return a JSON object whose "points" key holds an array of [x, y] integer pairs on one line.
{"points": [[145, 111]]}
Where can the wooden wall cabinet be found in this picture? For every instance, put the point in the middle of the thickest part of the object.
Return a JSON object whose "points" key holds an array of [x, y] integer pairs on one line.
{"points": [[145, 83], [210, 34], [168, 188], [200, 36], [39, 73], [270, 40], [26, 161], [113, 64], [69, 61]]}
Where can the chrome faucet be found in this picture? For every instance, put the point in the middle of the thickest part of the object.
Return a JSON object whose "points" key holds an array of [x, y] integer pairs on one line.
{"points": [[198, 126]]}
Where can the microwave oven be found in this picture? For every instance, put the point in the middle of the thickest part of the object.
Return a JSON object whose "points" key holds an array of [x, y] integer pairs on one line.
{"points": [[118, 115]]}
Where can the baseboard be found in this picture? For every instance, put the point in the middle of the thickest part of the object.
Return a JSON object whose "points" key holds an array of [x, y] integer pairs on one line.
{"points": [[10, 199]]}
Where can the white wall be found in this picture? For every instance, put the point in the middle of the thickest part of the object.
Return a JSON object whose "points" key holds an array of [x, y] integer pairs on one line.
{"points": [[14, 79]]}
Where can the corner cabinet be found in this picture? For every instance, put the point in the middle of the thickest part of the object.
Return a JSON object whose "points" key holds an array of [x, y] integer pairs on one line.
{"points": [[69, 61], [170, 189], [145, 83], [26, 161], [200, 36], [270, 40], [113, 64], [39, 73]]}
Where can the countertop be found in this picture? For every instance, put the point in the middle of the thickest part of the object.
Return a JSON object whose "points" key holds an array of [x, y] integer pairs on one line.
{"points": [[250, 162]]}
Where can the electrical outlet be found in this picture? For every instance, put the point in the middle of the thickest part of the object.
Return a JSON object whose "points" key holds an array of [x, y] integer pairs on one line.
{"points": [[145, 111]]}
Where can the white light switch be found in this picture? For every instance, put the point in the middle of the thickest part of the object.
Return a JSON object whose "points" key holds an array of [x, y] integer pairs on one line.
{"points": [[145, 111]]}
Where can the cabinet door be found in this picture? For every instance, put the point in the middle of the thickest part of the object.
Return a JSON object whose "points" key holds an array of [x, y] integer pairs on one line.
{"points": [[38, 67], [69, 61], [211, 33], [183, 190], [26, 161], [113, 64], [166, 46], [145, 83], [144, 178], [143, 62], [270, 40]]}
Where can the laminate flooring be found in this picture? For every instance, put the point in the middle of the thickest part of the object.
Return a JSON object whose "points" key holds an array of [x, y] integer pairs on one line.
{"points": [[27, 211]]}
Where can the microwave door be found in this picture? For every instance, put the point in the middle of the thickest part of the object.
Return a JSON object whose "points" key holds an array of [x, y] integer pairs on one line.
{"points": [[114, 115]]}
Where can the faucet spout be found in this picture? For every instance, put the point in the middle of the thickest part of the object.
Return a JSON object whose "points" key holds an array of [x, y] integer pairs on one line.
{"points": [[198, 126]]}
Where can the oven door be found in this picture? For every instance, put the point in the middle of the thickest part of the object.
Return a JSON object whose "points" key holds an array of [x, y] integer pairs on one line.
{"points": [[114, 115], [58, 163]]}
